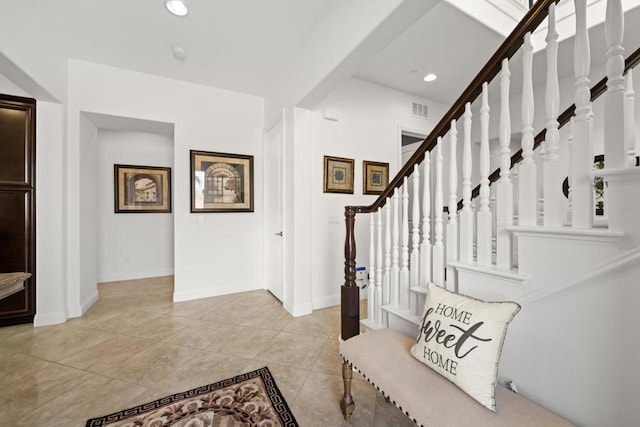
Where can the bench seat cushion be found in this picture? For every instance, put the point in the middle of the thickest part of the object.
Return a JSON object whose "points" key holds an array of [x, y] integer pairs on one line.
{"points": [[383, 358]]}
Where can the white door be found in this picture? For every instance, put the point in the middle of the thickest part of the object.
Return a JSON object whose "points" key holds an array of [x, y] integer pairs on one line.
{"points": [[275, 239]]}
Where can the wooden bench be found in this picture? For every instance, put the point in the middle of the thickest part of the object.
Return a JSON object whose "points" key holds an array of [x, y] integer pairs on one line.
{"points": [[383, 358], [11, 283]]}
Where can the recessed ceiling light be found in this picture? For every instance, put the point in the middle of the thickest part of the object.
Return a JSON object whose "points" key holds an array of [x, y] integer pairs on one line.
{"points": [[430, 77], [177, 7]]}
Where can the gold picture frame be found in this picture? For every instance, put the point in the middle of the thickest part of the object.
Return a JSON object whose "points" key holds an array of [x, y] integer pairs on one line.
{"points": [[221, 182], [142, 189], [375, 177], [338, 175]]}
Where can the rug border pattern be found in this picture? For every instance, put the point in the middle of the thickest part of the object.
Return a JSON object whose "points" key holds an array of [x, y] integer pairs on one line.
{"points": [[278, 402]]}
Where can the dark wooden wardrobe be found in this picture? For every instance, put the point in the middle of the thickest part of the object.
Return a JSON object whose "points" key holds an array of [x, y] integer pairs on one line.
{"points": [[17, 204]]}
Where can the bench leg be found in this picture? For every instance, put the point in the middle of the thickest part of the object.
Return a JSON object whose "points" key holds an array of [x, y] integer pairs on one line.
{"points": [[347, 404]]}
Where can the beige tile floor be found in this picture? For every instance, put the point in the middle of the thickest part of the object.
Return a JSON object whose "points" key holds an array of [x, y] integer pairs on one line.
{"points": [[135, 345]]}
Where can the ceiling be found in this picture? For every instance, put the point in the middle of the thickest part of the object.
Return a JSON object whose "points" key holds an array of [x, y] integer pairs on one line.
{"points": [[446, 42], [226, 46], [246, 52]]}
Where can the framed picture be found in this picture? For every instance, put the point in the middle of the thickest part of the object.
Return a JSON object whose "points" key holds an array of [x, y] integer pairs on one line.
{"points": [[221, 182], [375, 177], [142, 189], [338, 175]]}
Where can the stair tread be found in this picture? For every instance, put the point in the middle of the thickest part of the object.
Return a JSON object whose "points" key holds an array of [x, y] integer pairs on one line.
{"points": [[404, 314], [422, 290], [370, 324], [604, 233], [493, 270]]}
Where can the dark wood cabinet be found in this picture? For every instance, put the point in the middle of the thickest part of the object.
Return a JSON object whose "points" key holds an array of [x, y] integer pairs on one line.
{"points": [[17, 204]]}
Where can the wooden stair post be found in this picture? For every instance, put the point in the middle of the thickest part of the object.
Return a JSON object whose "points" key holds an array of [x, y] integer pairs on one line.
{"points": [[350, 293]]}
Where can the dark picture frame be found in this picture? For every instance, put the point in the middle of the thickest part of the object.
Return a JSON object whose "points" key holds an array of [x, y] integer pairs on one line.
{"points": [[338, 175], [221, 182], [375, 177], [142, 189]]}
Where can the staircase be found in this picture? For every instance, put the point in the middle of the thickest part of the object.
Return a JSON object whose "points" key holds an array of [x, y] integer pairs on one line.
{"points": [[516, 236]]}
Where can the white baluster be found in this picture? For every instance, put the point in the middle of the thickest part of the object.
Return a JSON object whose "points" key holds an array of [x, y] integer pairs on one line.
{"points": [[504, 186], [494, 222], [414, 263], [617, 195], [452, 225], [552, 180], [515, 180], [386, 291], [527, 205], [570, 191], [484, 226], [614, 100], [630, 119], [466, 214], [582, 162], [425, 246], [371, 303], [379, 269], [438, 246], [404, 258], [395, 253]]}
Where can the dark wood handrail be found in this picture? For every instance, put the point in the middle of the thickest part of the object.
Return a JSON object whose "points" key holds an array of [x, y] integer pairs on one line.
{"points": [[507, 49], [596, 91]]}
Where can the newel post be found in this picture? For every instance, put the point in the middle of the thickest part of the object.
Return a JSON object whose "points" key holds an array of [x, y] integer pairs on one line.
{"points": [[350, 293]]}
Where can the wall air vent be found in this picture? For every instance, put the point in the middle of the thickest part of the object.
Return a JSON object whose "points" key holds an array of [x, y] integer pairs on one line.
{"points": [[419, 110]]}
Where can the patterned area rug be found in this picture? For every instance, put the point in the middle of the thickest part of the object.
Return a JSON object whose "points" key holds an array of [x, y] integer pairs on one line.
{"points": [[250, 399]]}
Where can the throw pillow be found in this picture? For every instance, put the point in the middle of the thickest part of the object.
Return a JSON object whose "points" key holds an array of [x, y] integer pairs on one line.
{"points": [[461, 338]]}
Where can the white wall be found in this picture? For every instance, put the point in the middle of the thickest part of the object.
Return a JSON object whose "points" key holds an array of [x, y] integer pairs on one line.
{"points": [[222, 255], [29, 56], [340, 42], [50, 292], [131, 245], [88, 218], [368, 128], [575, 352]]}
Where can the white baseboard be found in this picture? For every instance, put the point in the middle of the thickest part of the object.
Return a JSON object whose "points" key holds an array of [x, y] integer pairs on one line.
{"points": [[325, 302], [297, 310], [330, 301], [86, 304], [47, 319], [132, 275], [210, 292]]}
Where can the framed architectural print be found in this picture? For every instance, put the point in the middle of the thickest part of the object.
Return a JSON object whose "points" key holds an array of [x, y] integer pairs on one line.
{"points": [[375, 177], [142, 189], [338, 175], [221, 182]]}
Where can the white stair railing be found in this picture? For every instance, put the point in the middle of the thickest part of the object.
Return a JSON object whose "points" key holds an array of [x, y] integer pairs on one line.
{"points": [[504, 189], [527, 194], [582, 160], [452, 225], [406, 254], [466, 214], [438, 246], [631, 143], [404, 259], [485, 223], [415, 241], [552, 174]]}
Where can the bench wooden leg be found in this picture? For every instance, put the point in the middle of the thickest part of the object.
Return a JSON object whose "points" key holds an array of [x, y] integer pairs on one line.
{"points": [[347, 404]]}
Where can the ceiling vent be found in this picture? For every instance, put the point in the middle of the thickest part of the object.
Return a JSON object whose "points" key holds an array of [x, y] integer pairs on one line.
{"points": [[420, 110]]}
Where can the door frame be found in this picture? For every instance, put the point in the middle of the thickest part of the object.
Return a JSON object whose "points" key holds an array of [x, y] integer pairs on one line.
{"points": [[279, 122]]}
